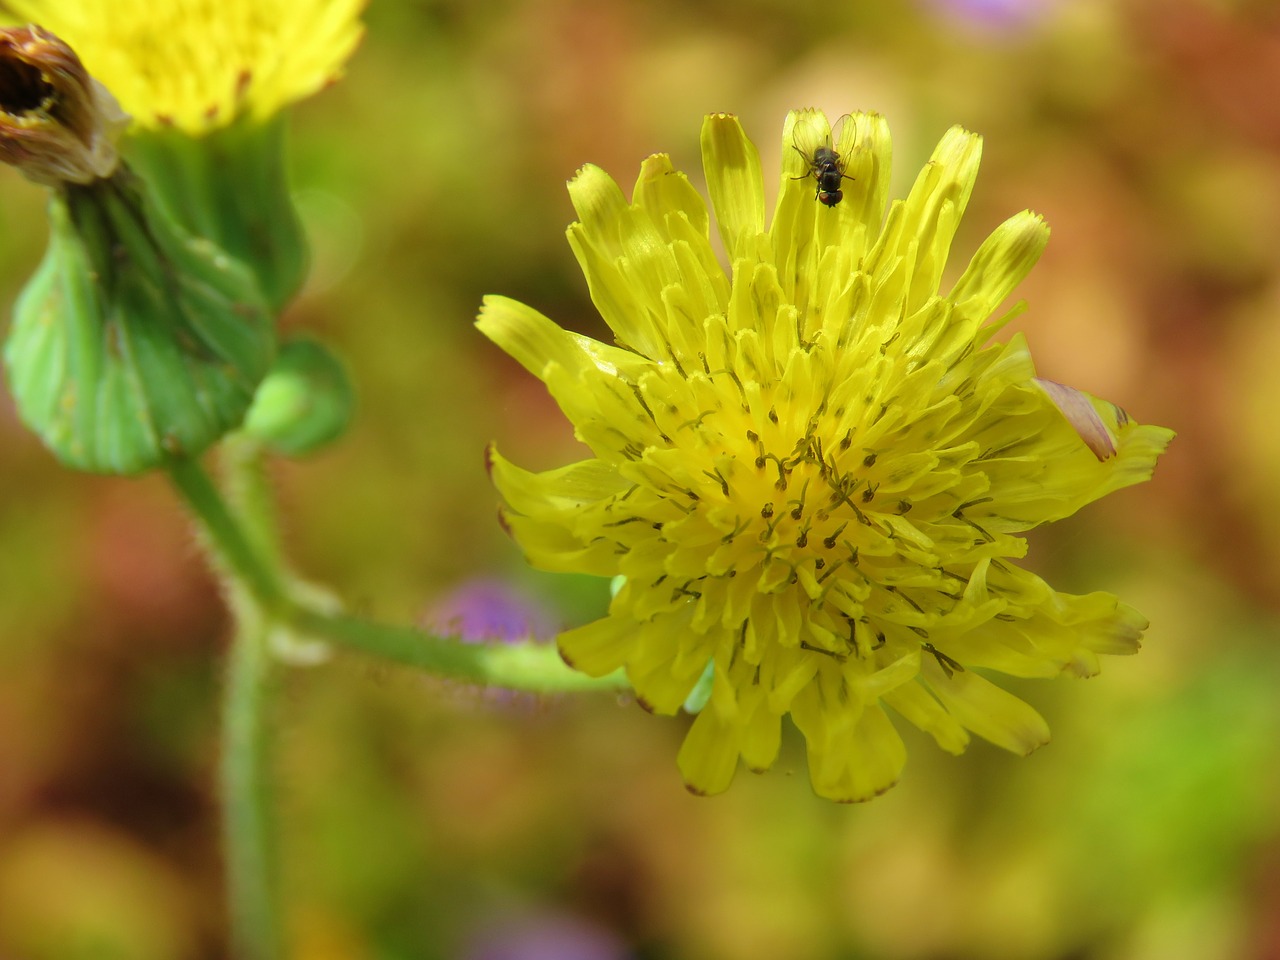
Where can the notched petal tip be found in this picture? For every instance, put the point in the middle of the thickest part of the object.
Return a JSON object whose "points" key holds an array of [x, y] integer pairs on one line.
{"points": [[955, 161], [656, 166], [596, 197], [958, 146]]}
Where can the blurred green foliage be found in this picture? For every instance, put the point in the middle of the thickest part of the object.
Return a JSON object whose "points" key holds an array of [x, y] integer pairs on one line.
{"points": [[420, 817]]}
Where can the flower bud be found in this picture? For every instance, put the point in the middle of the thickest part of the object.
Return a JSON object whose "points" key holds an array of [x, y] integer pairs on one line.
{"points": [[133, 342], [229, 185], [57, 124], [305, 401]]}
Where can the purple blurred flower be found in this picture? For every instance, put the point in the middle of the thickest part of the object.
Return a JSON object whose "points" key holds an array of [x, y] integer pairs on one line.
{"points": [[993, 16], [546, 937], [483, 610]]}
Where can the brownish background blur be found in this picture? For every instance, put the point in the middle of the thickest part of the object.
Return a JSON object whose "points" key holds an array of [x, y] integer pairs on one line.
{"points": [[425, 822]]}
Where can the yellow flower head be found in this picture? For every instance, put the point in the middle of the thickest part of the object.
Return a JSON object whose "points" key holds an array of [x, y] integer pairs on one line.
{"points": [[199, 64], [812, 470]]}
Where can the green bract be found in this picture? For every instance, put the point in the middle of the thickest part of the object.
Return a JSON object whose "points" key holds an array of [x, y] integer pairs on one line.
{"points": [[133, 342], [229, 186]]}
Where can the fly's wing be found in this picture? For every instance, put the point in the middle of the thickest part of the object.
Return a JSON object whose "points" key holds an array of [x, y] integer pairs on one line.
{"points": [[809, 133], [844, 132]]}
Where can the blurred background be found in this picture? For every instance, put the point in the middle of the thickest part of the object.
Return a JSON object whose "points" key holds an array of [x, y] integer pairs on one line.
{"points": [[424, 821]]}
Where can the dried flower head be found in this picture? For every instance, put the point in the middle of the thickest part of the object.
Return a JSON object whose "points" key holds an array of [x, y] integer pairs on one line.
{"points": [[57, 124]]}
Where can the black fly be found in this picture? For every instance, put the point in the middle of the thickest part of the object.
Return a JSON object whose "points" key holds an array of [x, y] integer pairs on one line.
{"points": [[826, 166]]}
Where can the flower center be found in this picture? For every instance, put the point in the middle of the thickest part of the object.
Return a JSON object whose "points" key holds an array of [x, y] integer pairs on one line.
{"points": [[771, 510]]}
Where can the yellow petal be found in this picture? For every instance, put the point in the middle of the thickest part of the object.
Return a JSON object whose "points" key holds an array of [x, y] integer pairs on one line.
{"points": [[916, 705], [993, 714], [708, 757], [732, 167], [599, 647]]}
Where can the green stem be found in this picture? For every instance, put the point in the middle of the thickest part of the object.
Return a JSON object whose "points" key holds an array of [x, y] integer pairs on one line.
{"points": [[256, 597], [242, 560], [246, 795], [245, 551], [535, 667], [249, 494], [525, 666]]}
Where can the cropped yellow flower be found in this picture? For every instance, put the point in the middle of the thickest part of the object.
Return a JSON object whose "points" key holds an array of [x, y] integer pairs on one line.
{"points": [[811, 470], [199, 64]]}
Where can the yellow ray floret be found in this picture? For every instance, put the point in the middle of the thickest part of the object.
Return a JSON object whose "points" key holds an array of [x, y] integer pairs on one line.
{"points": [[199, 64], [813, 468]]}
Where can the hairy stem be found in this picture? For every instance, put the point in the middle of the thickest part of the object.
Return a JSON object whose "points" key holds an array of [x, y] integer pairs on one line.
{"points": [[238, 558], [247, 809], [528, 666]]}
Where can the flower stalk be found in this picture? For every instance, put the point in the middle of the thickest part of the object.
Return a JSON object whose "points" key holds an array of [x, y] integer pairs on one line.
{"points": [[246, 783]]}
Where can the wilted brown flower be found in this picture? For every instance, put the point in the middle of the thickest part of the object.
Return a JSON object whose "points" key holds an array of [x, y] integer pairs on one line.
{"points": [[57, 123]]}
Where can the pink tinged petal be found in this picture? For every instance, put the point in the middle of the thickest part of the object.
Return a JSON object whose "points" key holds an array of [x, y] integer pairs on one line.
{"points": [[1082, 665], [1077, 407], [990, 712], [600, 647]]}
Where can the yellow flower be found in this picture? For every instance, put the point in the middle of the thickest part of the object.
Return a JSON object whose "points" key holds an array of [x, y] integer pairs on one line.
{"points": [[199, 64], [812, 470]]}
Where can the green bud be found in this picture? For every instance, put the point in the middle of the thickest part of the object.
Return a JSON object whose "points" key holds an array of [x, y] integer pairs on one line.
{"points": [[305, 402], [229, 185], [133, 342]]}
